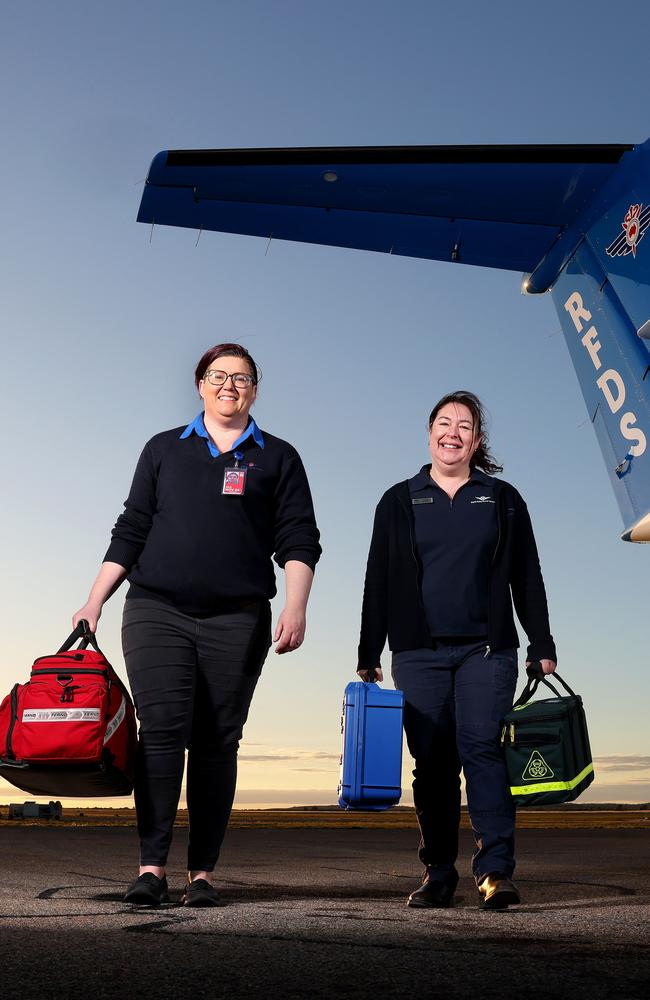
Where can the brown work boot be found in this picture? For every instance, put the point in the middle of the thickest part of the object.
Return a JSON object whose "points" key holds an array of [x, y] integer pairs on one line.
{"points": [[498, 892]]}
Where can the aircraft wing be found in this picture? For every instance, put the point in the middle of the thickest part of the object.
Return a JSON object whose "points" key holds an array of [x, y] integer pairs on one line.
{"points": [[494, 206]]}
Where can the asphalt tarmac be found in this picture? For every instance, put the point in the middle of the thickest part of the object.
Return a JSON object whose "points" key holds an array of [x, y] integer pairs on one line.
{"points": [[321, 913]]}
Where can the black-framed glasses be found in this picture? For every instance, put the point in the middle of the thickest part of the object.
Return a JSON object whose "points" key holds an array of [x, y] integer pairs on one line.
{"points": [[240, 380]]}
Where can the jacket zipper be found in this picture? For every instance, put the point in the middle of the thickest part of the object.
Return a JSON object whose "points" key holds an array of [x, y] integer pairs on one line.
{"points": [[488, 649], [496, 547], [409, 516]]}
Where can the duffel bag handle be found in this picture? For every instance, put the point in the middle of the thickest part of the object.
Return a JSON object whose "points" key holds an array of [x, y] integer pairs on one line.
{"points": [[83, 633], [535, 675]]}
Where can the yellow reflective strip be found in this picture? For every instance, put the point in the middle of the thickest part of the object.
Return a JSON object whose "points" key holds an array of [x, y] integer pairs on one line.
{"points": [[552, 786]]}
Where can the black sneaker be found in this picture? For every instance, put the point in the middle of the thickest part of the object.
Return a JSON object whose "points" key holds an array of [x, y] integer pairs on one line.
{"points": [[147, 890], [200, 892]]}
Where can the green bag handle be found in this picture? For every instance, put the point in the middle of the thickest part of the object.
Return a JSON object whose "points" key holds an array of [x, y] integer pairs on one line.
{"points": [[535, 676]]}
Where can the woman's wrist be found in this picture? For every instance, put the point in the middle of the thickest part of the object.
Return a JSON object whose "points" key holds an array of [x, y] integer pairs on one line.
{"points": [[296, 607]]}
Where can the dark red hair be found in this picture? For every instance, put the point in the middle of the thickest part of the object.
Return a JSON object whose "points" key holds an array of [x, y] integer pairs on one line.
{"points": [[221, 351]]}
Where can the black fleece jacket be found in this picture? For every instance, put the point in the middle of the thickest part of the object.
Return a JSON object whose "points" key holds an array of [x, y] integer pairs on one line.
{"points": [[392, 598], [186, 544]]}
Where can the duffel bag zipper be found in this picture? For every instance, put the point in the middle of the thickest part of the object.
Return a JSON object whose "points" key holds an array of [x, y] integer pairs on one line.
{"points": [[65, 657], [14, 716], [71, 670]]}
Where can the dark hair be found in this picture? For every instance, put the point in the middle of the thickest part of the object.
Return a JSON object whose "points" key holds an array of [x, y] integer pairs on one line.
{"points": [[221, 351], [481, 458]]}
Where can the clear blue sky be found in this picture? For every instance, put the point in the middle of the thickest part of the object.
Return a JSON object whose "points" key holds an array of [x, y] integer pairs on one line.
{"points": [[101, 328]]}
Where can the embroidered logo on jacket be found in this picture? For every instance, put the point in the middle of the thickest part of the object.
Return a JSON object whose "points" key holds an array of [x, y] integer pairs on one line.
{"points": [[482, 500]]}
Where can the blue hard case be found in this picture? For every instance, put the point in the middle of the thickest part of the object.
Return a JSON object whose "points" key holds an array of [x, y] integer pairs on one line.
{"points": [[371, 762]]}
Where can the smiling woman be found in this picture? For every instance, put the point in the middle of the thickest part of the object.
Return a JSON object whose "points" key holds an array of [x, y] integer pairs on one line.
{"points": [[448, 547], [228, 391], [458, 438], [210, 505]]}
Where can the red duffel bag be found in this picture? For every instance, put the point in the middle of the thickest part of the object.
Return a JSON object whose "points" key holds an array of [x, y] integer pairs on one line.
{"points": [[71, 729]]}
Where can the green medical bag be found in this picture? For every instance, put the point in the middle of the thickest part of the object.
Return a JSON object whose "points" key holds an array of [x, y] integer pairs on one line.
{"points": [[546, 745]]}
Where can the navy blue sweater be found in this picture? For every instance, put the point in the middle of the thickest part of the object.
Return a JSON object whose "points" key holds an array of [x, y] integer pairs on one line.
{"points": [[186, 544]]}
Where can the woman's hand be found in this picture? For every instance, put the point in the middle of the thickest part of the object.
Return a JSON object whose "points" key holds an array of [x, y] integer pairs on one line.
{"points": [[548, 666], [290, 630], [91, 612], [377, 674]]}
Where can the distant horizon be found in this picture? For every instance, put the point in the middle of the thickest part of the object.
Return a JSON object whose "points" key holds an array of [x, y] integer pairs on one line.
{"points": [[270, 803], [334, 806]]}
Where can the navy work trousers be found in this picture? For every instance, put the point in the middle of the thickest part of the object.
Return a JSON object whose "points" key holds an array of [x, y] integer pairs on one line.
{"points": [[192, 681], [455, 699]]}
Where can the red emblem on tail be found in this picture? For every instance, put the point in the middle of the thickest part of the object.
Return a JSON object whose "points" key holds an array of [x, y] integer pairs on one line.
{"points": [[635, 223], [632, 227]]}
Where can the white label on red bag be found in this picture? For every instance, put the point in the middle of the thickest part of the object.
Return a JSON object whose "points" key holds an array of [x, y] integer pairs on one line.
{"points": [[61, 715], [115, 721]]}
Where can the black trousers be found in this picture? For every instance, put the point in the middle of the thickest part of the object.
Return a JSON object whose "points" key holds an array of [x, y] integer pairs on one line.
{"points": [[456, 696], [192, 681]]}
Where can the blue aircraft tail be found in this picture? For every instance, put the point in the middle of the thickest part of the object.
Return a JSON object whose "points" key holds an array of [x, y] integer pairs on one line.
{"points": [[603, 299], [573, 217]]}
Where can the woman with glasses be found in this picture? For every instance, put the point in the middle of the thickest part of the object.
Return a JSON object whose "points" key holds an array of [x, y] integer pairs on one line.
{"points": [[209, 506], [449, 548]]}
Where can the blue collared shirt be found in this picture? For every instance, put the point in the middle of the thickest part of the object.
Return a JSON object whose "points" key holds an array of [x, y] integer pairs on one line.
{"points": [[198, 427]]}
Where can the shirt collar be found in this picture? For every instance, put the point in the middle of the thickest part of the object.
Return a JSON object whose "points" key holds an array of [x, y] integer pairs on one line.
{"points": [[422, 479], [197, 426]]}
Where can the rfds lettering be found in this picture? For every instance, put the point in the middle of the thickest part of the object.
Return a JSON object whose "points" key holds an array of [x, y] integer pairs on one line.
{"points": [[610, 382]]}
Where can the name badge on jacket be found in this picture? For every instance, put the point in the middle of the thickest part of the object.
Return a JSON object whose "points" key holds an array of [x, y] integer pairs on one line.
{"points": [[234, 481]]}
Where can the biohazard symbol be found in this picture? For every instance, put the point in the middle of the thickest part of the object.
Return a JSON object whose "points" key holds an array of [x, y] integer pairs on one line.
{"points": [[536, 768]]}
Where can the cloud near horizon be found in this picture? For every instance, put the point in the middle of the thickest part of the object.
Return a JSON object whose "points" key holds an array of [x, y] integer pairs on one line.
{"points": [[623, 762], [273, 755]]}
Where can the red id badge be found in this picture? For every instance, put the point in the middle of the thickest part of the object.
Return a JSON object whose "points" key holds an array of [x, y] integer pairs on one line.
{"points": [[234, 481]]}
